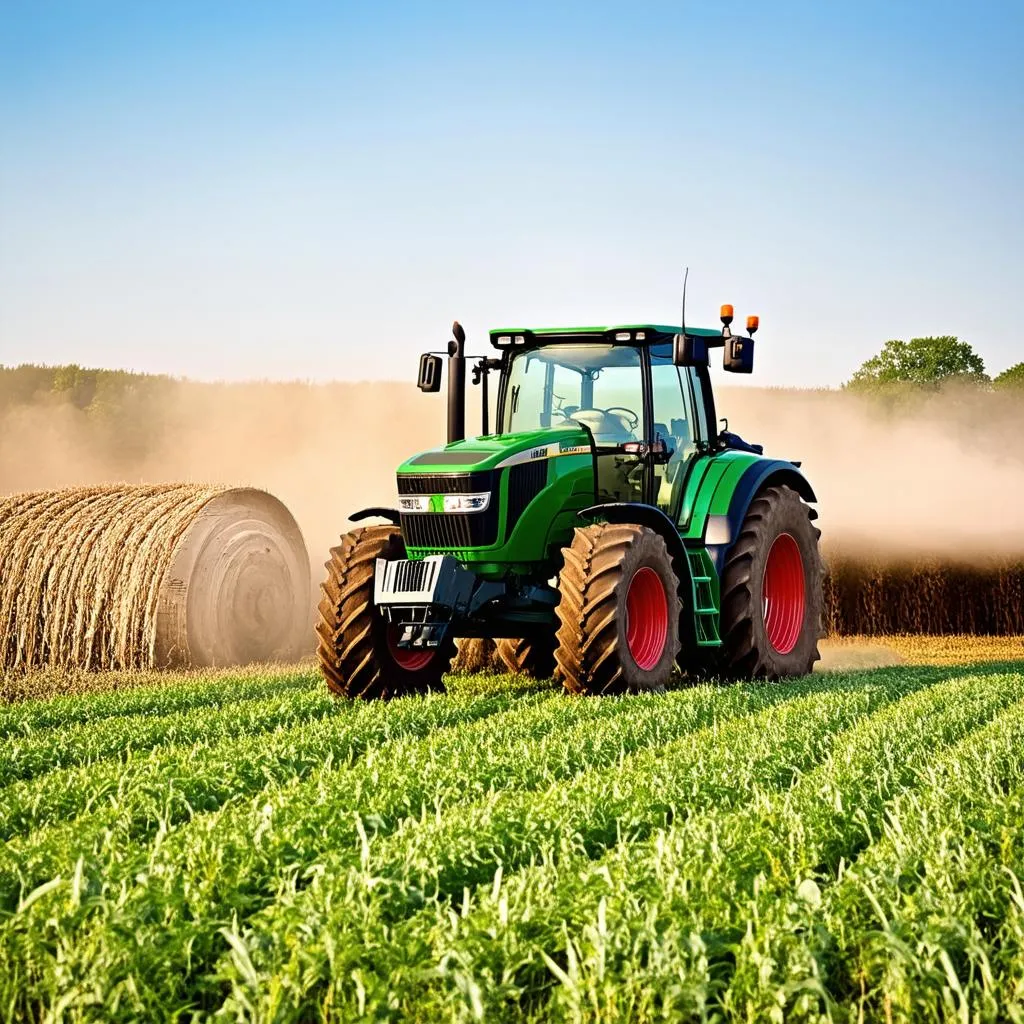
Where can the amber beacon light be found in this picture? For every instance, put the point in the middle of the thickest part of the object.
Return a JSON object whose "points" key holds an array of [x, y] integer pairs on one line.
{"points": [[753, 322]]}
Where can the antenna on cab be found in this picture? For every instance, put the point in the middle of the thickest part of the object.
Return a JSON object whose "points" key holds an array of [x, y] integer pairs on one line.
{"points": [[682, 318], [688, 351]]}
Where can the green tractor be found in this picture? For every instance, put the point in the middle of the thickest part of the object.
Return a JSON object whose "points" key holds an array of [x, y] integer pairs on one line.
{"points": [[606, 532]]}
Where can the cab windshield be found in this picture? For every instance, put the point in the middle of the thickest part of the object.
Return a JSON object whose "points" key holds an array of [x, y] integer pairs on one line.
{"points": [[596, 385]]}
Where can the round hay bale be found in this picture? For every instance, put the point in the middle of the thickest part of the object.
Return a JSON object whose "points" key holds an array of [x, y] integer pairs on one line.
{"points": [[150, 577]]}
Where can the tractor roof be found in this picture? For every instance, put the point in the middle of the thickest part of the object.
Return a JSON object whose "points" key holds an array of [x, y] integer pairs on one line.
{"points": [[624, 334]]}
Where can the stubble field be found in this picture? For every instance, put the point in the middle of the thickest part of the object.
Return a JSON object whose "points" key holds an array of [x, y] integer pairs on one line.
{"points": [[241, 845]]}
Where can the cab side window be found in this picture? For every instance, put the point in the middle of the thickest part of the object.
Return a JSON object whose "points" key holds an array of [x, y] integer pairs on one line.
{"points": [[675, 423]]}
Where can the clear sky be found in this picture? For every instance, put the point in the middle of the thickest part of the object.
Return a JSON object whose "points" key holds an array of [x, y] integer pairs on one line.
{"points": [[315, 190]]}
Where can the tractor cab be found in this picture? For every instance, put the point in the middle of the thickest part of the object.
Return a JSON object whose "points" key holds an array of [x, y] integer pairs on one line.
{"points": [[645, 417], [632, 405]]}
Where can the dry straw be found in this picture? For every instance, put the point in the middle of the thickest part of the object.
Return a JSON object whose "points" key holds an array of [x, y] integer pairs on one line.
{"points": [[932, 597], [81, 571]]}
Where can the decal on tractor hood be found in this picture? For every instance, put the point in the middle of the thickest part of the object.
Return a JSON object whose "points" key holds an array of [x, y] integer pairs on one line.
{"points": [[549, 451]]}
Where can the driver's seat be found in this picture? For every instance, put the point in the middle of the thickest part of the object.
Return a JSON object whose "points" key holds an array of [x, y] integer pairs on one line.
{"points": [[607, 427]]}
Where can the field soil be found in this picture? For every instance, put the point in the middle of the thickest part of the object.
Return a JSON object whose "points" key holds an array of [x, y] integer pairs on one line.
{"points": [[839, 653]]}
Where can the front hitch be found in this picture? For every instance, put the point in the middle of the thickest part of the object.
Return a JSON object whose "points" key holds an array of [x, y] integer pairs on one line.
{"points": [[425, 596]]}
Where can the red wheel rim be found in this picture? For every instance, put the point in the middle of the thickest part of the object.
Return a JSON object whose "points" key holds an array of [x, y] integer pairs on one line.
{"points": [[406, 657], [646, 618], [783, 594]]}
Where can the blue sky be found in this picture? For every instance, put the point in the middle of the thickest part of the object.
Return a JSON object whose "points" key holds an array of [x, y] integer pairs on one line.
{"points": [[315, 190]]}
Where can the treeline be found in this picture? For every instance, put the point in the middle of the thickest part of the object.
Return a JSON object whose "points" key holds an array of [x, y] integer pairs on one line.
{"points": [[64, 426], [114, 408], [123, 419], [99, 391], [84, 388], [923, 364]]}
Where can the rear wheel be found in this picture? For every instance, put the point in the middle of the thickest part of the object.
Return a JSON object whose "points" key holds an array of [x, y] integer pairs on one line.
{"points": [[772, 590], [473, 654], [529, 656], [619, 611], [358, 651]]}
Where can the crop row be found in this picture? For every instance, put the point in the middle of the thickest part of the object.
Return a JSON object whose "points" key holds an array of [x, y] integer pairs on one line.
{"points": [[342, 938], [482, 853], [191, 692], [930, 916], [122, 738], [218, 867], [153, 795], [173, 782], [941, 907], [757, 902], [460, 803]]}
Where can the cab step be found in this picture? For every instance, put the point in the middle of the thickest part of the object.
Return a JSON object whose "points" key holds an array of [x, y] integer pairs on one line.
{"points": [[704, 589]]}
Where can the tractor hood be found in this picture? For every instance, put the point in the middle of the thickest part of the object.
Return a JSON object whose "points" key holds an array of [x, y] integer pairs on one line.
{"points": [[496, 451], [495, 502]]}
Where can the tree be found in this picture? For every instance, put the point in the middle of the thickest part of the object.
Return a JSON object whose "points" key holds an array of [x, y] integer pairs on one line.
{"points": [[1011, 378], [925, 362]]}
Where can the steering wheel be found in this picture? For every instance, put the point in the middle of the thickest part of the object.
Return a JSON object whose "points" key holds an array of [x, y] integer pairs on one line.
{"points": [[630, 415]]}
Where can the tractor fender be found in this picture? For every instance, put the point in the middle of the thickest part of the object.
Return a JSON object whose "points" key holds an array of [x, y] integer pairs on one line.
{"points": [[654, 519], [720, 535], [390, 514]]}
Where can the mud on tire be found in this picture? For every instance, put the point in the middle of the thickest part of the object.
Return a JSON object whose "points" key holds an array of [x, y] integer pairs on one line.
{"points": [[474, 654], [356, 649], [619, 611], [772, 591], [528, 656]]}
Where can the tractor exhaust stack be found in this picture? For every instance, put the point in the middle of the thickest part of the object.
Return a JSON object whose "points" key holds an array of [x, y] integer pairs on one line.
{"points": [[457, 384]]}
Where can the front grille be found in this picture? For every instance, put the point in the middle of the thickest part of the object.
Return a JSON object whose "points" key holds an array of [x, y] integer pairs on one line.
{"points": [[451, 529], [525, 482], [411, 576], [446, 530], [446, 483]]}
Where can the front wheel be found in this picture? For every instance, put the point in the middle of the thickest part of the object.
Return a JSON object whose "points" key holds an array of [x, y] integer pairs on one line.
{"points": [[772, 596], [619, 611], [358, 651]]}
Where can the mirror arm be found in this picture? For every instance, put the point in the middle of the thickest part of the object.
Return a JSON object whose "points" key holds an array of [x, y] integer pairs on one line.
{"points": [[481, 372]]}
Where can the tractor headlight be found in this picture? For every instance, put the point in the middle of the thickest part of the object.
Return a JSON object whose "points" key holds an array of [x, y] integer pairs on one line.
{"points": [[467, 502], [449, 502], [414, 503]]}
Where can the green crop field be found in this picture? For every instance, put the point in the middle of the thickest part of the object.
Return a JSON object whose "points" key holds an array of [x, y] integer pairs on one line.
{"points": [[845, 847]]}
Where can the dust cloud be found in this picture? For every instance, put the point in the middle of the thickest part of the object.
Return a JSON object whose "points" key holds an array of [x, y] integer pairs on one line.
{"points": [[937, 475], [324, 450]]}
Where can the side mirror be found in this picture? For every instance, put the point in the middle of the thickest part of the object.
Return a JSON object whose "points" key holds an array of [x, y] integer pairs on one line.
{"points": [[688, 350], [430, 373], [739, 354], [658, 452]]}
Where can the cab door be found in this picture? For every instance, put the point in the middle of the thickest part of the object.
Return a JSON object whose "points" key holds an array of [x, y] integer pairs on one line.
{"points": [[675, 422], [614, 396]]}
